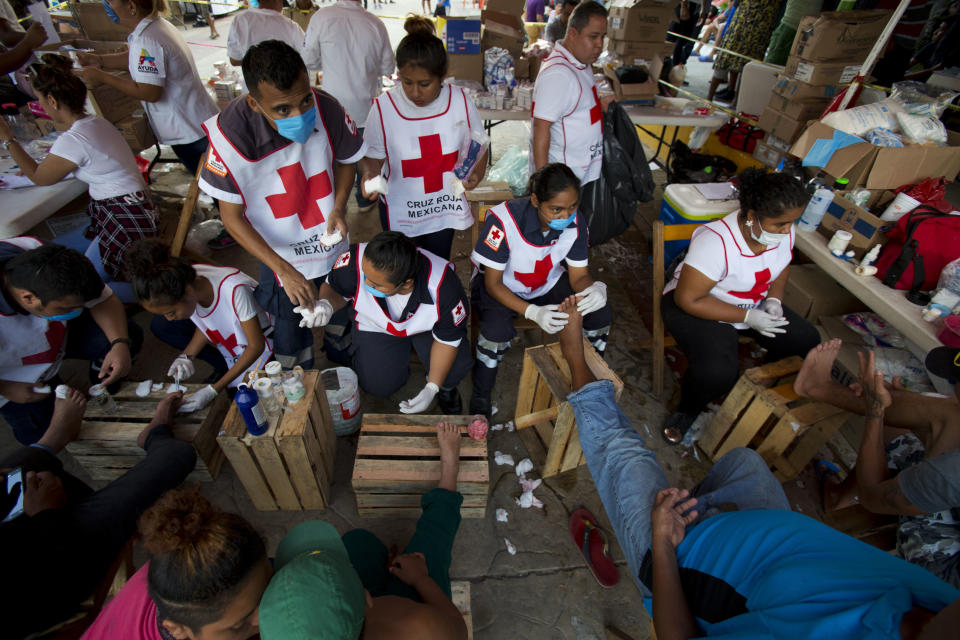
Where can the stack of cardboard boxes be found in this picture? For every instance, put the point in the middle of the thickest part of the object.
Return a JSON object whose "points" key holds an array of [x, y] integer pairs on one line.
{"points": [[827, 53], [503, 27], [461, 36], [636, 33]]}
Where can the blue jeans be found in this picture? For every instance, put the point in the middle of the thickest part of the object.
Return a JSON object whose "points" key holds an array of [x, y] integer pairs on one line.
{"points": [[628, 476]]}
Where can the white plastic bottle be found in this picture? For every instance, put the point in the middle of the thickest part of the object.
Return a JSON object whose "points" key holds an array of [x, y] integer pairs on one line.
{"points": [[816, 209]]}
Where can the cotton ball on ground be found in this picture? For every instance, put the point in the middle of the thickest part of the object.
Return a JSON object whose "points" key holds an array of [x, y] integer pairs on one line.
{"points": [[501, 515]]}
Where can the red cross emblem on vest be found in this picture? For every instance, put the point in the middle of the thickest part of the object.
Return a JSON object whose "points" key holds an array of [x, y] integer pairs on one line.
{"points": [[760, 286], [431, 164], [538, 277], [54, 335], [229, 343], [300, 195], [596, 112]]}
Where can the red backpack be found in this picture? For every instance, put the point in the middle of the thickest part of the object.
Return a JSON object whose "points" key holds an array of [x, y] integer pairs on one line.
{"points": [[919, 247]]}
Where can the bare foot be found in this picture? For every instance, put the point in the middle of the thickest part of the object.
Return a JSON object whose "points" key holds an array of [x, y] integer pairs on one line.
{"points": [[448, 437], [165, 413], [571, 345], [65, 423], [814, 375]]}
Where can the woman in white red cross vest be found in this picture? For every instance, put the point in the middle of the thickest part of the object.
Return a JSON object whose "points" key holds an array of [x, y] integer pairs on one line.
{"points": [[422, 137], [532, 255], [731, 282], [198, 306]]}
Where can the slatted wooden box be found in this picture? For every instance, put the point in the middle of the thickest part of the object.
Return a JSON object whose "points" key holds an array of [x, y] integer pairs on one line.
{"points": [[553, 441], [107, 445], [290, 467], [398, 460], [763, 412]]}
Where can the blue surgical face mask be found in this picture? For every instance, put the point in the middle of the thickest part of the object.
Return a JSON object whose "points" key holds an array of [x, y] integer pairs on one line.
{"points": [[111, 13], [559, 224], [374, 292], [298, 128], [63, 317]]}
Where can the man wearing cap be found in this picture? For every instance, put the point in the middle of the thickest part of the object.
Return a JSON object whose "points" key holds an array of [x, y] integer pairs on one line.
{"points": [[898, 472], [337, 588]]}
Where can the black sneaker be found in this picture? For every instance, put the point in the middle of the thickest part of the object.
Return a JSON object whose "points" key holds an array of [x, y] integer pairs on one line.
{"points": [[677, 426], [480, 404], [450, 402], [726, 95]]}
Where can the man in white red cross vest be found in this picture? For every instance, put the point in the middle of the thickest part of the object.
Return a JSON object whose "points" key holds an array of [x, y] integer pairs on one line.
{"points": [[281, 163]]}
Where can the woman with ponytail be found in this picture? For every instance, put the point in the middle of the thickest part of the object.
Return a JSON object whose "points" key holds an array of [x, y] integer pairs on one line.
{"points": [[416, 134], [206, 574], [120, 208], [196, 306]]}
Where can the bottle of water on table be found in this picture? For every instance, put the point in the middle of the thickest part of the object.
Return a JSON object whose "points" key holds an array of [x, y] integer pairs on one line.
{"points": [[816, 209]]}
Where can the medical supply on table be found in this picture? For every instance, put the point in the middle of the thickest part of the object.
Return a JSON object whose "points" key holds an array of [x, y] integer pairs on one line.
{"points": [[275, 372], [62, 391], [840, 240], [871, 256], [251, 410], [901, 206], [816, 209], [293, 389], [267, 395], [100, 397]]}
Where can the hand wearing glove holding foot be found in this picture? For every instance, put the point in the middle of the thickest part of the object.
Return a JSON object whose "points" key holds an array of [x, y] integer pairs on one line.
{"points": [[548, 317], [198, 400], [592, 298]]}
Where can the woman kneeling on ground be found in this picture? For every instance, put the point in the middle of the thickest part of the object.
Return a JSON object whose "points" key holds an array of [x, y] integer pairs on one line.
{"points": [[732, 281]]}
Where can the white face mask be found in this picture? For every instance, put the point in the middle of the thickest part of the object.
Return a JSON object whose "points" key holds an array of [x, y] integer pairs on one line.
{"points": [[767, 238]]}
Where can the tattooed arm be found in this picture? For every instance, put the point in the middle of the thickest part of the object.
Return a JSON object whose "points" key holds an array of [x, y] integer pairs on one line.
{"points": [[878, 493]]}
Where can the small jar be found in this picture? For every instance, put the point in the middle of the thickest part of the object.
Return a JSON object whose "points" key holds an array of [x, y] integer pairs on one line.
{"points": [[100, 397], [268, 396], [275, 373], [293, 389]]}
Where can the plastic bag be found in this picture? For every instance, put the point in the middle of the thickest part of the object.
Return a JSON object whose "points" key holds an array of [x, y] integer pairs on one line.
{"points": [[497, 67], [467, 160], [921, 99], [883, 137], [513, 168], [859, 120], [922, 129], [950, 277], [688, 167]]}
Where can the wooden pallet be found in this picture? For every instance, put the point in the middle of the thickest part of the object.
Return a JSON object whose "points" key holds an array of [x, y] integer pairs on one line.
{"points": [[107, 445], [460, 591], [290, 467], [764, 413], [398, 460], [553, 443]]}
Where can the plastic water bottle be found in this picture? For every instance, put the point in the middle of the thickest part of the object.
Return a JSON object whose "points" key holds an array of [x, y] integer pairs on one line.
{"points": [[252, 411], [816, 209]]}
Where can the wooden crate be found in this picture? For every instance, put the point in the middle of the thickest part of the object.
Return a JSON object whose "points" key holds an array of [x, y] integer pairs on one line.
{"points": [[763, 412], [460, 592], [290, 467], [398, 460], [553, 443], [107, 444]]}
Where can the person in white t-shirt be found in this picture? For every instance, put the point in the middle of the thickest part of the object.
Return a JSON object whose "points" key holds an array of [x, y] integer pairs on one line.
{"points": [[216, 307], [256, 24], [120, 208], [163, 76], [416, 135], [352, 48], [567, 112], [732, 279]]}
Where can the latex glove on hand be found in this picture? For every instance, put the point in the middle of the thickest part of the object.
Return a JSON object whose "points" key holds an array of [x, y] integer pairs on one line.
{"points": [[198, 400], [592, 298], [773, 306], [182, 368], [420, 402], [549, 319], [319, 316], [764, 323]]}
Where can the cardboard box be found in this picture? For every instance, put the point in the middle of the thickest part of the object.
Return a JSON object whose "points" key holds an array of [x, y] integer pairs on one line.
{"points": [[466, 67], [112, 104], [636, 93], [809, 109], [462, 35], [505, 19], [883, 167], [630, 50], [812, 293], [302, 18], [866, 228], [777, 143], [495, 35], [137, 132], [797, 90], [780, 124], [822, 73], [100, 46], [846, 366], [521, 68], [838, 35], [95, 24], [639, 20], [768, 155], [513, 7]]}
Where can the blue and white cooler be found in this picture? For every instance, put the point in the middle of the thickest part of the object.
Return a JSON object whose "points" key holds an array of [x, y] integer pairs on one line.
{"points": [[694, 204]]}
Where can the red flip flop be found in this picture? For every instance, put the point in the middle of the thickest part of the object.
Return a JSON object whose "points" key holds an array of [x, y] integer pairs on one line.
{"points": [[592, 542]]}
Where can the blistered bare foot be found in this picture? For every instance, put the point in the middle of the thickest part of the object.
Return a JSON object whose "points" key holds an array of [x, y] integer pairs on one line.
{"points": [[65, 423], [814, 376], [165, 413], [448, 437], [571, 345]]}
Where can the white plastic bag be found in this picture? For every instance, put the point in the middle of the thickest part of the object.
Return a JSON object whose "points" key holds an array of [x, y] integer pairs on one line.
{"points": [[859, 120], [922, 129]]}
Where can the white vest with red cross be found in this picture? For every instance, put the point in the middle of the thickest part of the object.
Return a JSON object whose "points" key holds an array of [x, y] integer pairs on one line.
{"points": [[371, 316], [532, 269], [581, 130], [31, 347], [288, 195], [748, 275], [221, 324], [421, 156]]}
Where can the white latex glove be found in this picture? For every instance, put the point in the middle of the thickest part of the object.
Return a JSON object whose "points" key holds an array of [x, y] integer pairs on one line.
{"points": [[198, 400], [773, 306], [764, 323], [319, 316], [182, 368], [592, 298], [421, 401], [549, 319]]}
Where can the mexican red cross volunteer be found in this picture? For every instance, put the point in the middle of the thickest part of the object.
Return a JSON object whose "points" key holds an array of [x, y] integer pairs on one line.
{"points": [[403, 296], [281, 163], [415, 135], [531, 255], [567, 113], [163, 76]]}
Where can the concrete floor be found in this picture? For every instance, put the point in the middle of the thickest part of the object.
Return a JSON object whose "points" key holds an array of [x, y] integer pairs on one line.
{"points": [[545, 590]]}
